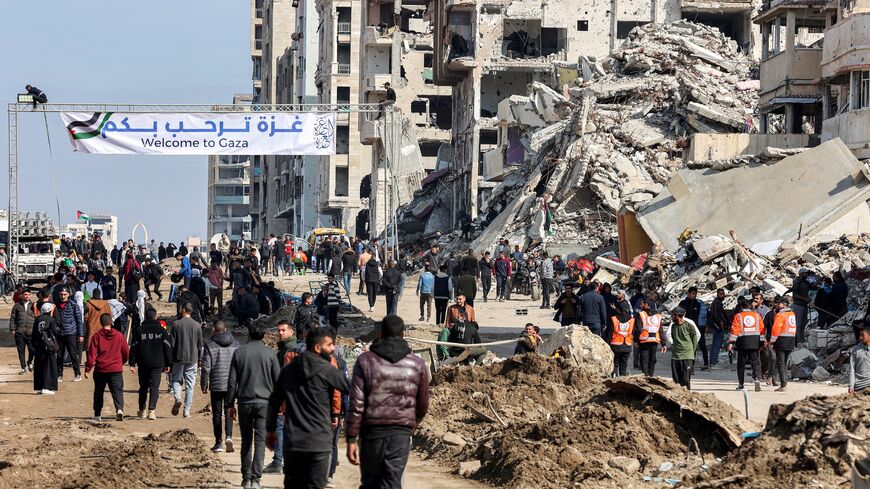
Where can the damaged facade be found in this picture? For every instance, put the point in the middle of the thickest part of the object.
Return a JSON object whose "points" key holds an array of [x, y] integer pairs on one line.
{"points": [[397, 47], [815, 70], [493, 51]]}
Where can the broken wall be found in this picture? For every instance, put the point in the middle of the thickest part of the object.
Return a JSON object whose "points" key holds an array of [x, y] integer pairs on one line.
{"points": [[707, 147]]}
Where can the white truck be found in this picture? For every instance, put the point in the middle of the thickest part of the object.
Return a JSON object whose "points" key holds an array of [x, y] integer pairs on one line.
{"points": [[38, 240]]}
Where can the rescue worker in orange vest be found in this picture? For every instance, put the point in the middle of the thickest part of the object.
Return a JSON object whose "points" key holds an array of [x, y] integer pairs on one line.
{"points": [[621, 335], [747, 330], [647, 337], [782, 338]]}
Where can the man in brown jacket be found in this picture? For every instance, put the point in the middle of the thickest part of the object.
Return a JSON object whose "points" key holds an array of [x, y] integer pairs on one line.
{"points": [[95, 308], [389, 396]]}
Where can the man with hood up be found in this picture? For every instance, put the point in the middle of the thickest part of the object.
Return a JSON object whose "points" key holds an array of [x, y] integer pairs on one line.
{"points": [[306, 385], [217, 359], [389, 396]]}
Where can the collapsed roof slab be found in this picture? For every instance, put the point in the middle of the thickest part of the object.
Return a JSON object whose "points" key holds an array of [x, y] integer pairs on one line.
{"points": [[799, 196]]}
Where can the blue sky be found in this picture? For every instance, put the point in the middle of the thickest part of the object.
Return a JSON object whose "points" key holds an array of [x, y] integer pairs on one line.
{"points": [[159, 51]]}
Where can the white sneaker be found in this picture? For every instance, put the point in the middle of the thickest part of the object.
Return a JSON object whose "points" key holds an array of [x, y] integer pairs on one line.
{"points": [[228, 444], [97, 418], [77, 378], [186, 413], [371, 310], [22, 371], [330, 483], [46, 392], [119, 415]]}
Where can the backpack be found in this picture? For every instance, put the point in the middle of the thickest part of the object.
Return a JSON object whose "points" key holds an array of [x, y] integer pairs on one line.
{"points": [[48, 339]]}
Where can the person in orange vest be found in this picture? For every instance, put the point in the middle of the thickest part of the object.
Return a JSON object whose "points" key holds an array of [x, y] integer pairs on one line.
{"points": [[300, 259], [621, 335], [782, 338], [747, 330], [647, 337]]}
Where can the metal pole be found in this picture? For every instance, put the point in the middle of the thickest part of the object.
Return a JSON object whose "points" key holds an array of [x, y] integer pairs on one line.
{"points": [[12, 211]]}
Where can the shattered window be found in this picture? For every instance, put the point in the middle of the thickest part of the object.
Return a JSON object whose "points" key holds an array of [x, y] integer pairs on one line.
{"points": [[863, 89]]}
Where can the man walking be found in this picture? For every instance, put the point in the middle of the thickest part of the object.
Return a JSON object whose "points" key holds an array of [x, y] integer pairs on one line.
{"points": [[253, 373], [21, 324], [68, 317], [782, 339], [151, 353], [717, 318], [306, 385], [485, 266], [800, 293], [648, 337], [693, 308], [107, 354], [746, 330], [682, 338], [546, 272], [425, 290], [217, 357], [503, 273], [859, 363], [593, 310], [388, 398], [186, 339]]}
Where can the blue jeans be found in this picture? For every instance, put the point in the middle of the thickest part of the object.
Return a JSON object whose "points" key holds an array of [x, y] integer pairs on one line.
{"points": [[278, 459], [716, 345], [183, 372], [346, 279], [333, 462]]}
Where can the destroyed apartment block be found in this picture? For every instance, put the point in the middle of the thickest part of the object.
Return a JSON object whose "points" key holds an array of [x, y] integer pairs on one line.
{"points": [[574, 160]]}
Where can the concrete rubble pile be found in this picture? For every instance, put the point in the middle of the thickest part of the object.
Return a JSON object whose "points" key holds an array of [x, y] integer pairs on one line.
{"points": [[617, 138]]}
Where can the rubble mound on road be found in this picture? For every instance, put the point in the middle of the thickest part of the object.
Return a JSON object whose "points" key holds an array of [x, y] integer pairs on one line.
{"points": [[537, 422], [811, 443]]}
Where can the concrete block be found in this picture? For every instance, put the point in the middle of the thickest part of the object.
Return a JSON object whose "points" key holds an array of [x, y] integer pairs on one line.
{"points": [[775, 286], [678, 187], [614, 265], [810, 258], [712, 247]]}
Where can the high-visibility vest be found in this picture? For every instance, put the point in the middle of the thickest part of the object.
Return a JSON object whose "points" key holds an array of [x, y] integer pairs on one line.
{"points": [[784, 325], [622, 332], [650, 326], [746, 323]]}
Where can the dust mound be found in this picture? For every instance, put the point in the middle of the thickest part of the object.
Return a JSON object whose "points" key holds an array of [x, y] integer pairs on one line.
{"points": [[811, 443], [75, 454], [537, 422]]}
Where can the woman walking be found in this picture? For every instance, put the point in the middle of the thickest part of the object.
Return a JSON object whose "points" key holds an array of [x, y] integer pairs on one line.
{"points": [[45, 345]]}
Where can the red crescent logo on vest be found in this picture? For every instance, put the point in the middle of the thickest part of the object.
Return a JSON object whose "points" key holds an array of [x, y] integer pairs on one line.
{"points": [[654, 320], [792, 321], [748, 321]]}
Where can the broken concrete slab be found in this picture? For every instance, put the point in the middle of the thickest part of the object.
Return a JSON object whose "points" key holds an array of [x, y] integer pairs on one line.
{"points": [[614, 265], [709, 201], [711, 247], [582, 348]]}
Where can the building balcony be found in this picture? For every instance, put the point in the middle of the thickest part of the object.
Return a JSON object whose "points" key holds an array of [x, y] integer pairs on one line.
{"points": [[342, 68], [231, 182], [370, 131], [232, 199], [375, 82], [782, 79], [218, 218], [847, 46], [853, 128], [373, 37]]}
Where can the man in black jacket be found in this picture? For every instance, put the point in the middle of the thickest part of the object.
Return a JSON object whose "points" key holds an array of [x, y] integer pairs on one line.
{"points": [[693, 311], [151, 353], [21, 324], [247, 308], [390, 284], [593, 310], [253, 373], [303, 314], [306, 386], [153, 275]]}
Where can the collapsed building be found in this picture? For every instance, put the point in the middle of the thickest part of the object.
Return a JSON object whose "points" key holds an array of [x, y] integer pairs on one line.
{"points": [[569, 161]]}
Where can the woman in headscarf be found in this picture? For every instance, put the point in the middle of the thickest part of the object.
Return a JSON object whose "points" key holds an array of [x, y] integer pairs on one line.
{"points": [[45, 346]]}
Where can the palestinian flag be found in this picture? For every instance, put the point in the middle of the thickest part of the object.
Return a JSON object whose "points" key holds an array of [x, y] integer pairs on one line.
{"points": [[88, 128], [82, 216]]}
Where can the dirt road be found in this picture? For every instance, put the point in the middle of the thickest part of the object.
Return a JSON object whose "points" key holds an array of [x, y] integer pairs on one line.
{"points": [[32, 424]]}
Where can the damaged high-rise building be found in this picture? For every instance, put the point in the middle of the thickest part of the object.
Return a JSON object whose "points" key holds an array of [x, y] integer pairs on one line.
{"points": [[490, 50], [397, 48]]}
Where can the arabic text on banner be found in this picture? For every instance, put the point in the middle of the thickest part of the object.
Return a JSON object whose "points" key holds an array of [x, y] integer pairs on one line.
{"points": [[235, 133]]}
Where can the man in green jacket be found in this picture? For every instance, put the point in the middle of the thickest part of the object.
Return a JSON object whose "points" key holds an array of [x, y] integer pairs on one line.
{"points": [[682, 338]]}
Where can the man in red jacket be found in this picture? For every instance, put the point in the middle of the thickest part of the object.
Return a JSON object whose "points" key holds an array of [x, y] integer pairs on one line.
{"points": [[107, 354], [389, 395]]}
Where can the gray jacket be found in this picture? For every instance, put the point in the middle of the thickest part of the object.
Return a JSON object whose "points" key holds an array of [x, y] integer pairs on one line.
{"points": [[859, 367], [217, 357], [253, 374], [593, 310], [186, 339], [22, 318]]}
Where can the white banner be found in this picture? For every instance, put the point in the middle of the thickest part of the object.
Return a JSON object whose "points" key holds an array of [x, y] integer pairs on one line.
{"points": [[221, 133]]}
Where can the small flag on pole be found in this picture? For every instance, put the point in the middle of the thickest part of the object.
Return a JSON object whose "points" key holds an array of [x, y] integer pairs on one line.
{"points": [[82, 216]]}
